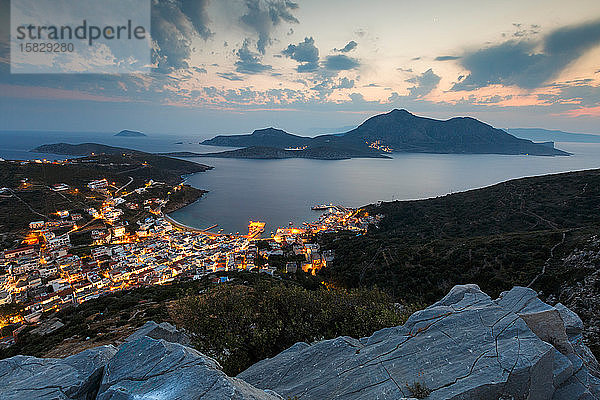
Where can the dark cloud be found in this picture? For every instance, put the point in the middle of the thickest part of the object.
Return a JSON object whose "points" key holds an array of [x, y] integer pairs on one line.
{"points": [[249, 62], [196, 12], [230, 76], [341, 62], [174, 24], [306, 53], [263, 15], [200, 70], [446, 58], [521, 63], [423, 84], [348, 47], [372, 85]]}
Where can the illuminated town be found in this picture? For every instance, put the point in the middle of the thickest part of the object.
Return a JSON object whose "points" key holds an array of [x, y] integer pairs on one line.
{"points": [[45, 274]]}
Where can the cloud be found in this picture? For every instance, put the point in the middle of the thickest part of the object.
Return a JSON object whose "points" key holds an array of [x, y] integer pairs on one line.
{"points": [[249, 62], [344, 83], [262, 16], [423, 84], [372, 85], [306, 53], [230, 76], [446, 58], [349, 47], [520, 63], [327, 86], [341, 62], [174, 24]]}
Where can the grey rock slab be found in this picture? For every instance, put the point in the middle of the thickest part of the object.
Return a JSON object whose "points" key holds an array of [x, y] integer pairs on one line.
{"points": [[148, 368], [76, 377], [463, 347]]}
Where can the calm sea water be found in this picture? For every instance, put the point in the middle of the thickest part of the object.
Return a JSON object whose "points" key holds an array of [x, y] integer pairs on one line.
{"points": [[280, 191]]}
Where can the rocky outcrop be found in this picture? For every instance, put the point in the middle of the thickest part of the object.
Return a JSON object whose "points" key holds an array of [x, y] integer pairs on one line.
{"points": [[157, 369], [153, 363], [466, 346], [76, 377]]}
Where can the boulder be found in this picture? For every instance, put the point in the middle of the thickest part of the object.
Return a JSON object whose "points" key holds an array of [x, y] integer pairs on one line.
{"points": [[148, 368], [465, 346], [76, 377], [164, 330]]}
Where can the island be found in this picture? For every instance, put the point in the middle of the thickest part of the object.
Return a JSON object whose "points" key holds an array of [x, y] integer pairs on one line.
{"points": [[128, 133], [397, 131]]}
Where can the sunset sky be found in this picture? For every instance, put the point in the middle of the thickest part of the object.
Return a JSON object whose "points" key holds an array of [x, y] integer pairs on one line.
{"points": [[230, 66]]}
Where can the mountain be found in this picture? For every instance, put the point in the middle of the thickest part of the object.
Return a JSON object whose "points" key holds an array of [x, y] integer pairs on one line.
{"points": [[128, 133], [540, 135], [268, 137], [398, 131], [405, 132]]}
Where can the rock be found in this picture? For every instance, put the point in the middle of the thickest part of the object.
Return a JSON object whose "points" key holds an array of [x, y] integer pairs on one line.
{"points": [[76, 377], [465, 346], [147, 368], [164, 330]]}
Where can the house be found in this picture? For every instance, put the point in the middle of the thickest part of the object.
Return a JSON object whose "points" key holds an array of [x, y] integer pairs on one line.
{"points": [[20, 252], [36, 224], [98, 184]]}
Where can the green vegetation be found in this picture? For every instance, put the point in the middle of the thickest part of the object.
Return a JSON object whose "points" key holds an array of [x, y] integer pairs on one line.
{"points": [[239, 324]]}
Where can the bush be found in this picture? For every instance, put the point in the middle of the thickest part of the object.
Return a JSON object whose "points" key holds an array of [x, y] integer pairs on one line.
{"points": [[240, 325]]}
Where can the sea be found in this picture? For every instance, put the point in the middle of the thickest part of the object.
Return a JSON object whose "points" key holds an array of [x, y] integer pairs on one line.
{"points": [[282, 192]]}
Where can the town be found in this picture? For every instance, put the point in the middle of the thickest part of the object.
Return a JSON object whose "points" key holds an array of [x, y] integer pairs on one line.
{"points": [[49, 272]]}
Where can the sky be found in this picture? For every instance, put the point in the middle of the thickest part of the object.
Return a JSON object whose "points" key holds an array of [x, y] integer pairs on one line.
{"points": [[310, 66]]}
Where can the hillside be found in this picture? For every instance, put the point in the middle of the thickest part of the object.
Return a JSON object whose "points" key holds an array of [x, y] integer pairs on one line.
{"points": [[162, 164], [396, 131], [497, 237]]}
